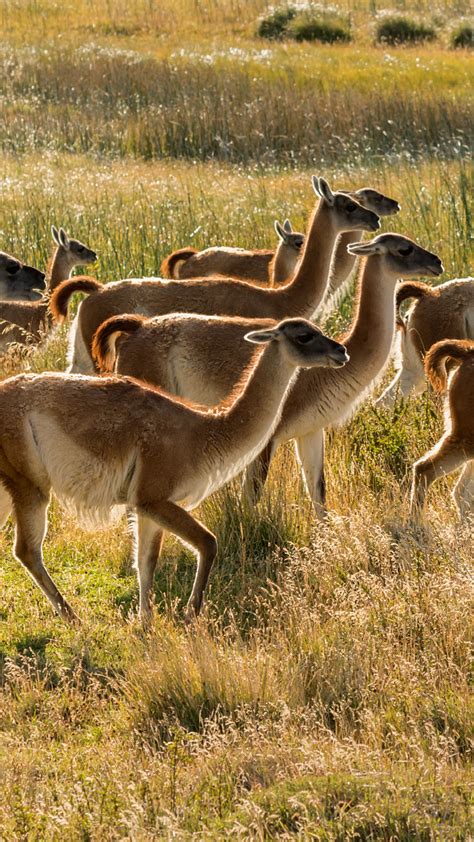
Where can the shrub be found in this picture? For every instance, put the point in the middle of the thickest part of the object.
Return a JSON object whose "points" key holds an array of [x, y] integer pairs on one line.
{"points": [[274, 25], [462, 36], [401, 30], [307, 27]]}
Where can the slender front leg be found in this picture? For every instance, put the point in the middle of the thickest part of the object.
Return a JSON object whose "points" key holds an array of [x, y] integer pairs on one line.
{"points": [[411, 376], [173, 518], [30, 514], [310, 452], [445, 457], [149, 540], [463, 492], [256, 474]]}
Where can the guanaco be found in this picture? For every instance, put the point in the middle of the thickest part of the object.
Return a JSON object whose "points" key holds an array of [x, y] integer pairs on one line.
{"points": [[334, 213], [456, 446], [99, 443], [200, 358]]}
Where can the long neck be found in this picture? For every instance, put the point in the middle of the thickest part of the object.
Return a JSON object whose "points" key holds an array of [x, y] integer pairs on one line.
{"points": [[59, 268], [302, 295], [369, 341], [343, 263], [330, 395], [250, 420], [283, 264]]}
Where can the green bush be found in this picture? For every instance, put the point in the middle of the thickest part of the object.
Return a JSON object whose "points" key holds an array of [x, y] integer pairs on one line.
{"points": [[275, 24], [303, 25], [462, 36], [307, 27], [401, 30]]}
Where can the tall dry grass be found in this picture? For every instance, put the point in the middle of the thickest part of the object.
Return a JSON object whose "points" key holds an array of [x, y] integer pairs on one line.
{"points": [[272, 107], [325, 692]]}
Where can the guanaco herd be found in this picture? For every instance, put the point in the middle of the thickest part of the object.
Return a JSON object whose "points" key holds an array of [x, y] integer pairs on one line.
{"points": [[207, 372]]}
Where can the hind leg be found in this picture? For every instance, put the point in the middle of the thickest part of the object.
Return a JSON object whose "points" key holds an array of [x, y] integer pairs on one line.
{"points": [[310, 450], [173, 518], [256, 475], [463, 492], [441, 461], [30, 513], [149, 540]]}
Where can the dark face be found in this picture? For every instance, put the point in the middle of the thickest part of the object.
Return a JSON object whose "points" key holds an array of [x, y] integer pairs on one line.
{"points": [[296, 241], [22, 279], [414, 261], [358, 218], [377, 202], [312, 348], [81, 253]]}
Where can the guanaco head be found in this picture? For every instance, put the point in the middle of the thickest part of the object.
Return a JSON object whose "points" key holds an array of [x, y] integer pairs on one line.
{"points": [[75, 252], [375, 201], [18, 281], [290, 238], [348, 214], [302, 343], [400, 256]]}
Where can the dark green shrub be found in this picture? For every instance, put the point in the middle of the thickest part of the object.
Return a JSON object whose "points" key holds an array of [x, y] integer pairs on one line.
{"points": [[462, 36], [401, 30], [307, 27], [274, 25]]}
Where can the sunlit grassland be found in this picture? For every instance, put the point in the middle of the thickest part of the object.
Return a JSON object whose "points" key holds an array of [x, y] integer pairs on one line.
{"points": [[147, 90], [325, 693], [171, 20]]}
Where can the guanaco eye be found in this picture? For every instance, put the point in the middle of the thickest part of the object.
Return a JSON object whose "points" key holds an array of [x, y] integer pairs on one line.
{"points": [[304, 338], [12, 267], [80, 249], [350, 207], [406, 251]]}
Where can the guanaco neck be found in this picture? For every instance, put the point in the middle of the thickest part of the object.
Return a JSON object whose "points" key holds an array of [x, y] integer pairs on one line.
{"points": [[343, 262], [302, 295], [59, 268], [283, 264], [250, 420], [369, 341]]}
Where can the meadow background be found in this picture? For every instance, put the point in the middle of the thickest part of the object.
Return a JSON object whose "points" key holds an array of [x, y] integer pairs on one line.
{"points": [[325, 694]]}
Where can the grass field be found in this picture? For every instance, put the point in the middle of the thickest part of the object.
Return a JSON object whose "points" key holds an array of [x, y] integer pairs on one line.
{"points": [[326, 692]]}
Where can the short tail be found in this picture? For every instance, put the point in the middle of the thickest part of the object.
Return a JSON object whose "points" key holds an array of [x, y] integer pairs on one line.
{"points": [[105, 337], [435, 360], [170, 266], [413, 289], [59, 301]]}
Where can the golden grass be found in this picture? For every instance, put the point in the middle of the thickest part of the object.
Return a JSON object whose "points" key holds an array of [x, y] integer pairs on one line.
{"points": [[325, 692]]}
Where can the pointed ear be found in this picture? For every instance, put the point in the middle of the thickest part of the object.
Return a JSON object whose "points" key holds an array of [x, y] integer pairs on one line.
{"points": [[287, 226], [364, 249], [64, 239], [322, 188], [280, 230], [55, 235], [260, 337]]}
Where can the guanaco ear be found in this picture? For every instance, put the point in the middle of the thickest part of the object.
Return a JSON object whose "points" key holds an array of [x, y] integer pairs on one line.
{"points": [[280, 231], [287, 226], [64, 239], [260, 337], [322, 188], [55, 235], [364, 249]]}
